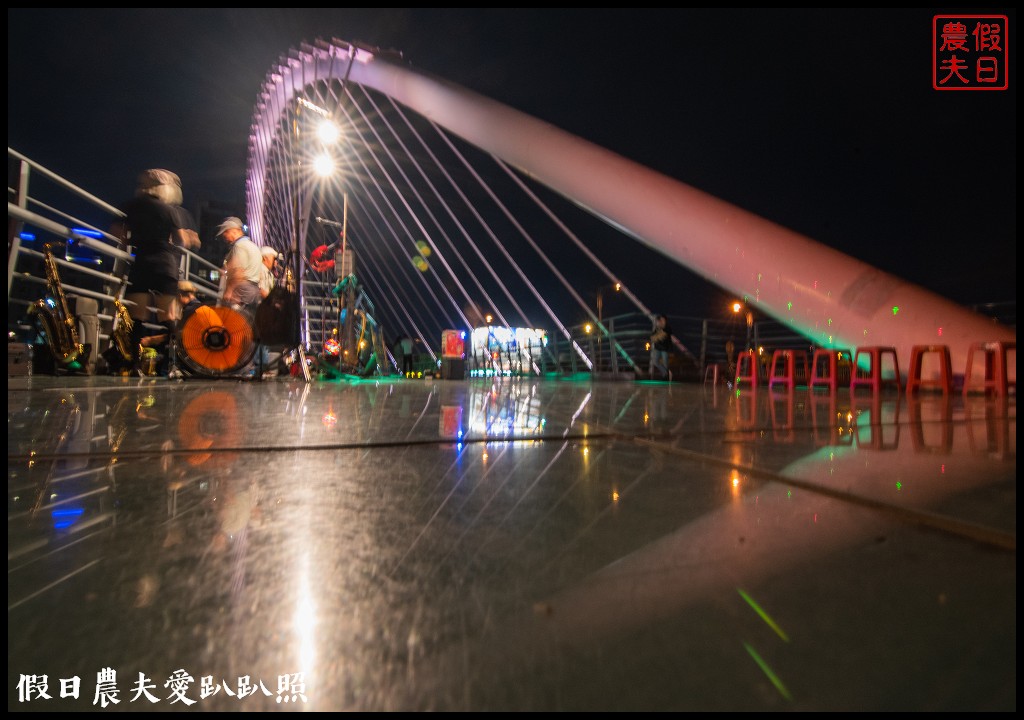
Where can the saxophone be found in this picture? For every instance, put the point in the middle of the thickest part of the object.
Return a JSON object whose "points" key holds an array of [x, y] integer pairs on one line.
{"points": [[121, 333], [58, 324]]}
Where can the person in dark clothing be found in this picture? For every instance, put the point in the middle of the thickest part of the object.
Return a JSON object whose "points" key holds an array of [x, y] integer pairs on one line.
{"points": [[407, 346], [661, 347], [154, 223]]}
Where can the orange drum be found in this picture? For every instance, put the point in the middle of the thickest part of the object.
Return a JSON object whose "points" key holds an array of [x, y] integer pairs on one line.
{"points": [[216, 341]]}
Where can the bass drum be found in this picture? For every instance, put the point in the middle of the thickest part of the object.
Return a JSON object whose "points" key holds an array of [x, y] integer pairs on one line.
{"points": [[216, 342]]}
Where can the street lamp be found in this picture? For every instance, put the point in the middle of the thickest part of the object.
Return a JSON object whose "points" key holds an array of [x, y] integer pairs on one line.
{"points": [[600, 299], [323, 166], [748, 315], [600, 311], [328, 132]]}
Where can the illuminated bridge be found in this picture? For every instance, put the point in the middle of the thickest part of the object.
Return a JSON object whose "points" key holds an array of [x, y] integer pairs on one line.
{"points": [[457, 207]]}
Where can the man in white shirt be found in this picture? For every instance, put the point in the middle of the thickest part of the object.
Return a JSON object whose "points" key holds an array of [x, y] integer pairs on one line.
{"points": [[243, 266]]}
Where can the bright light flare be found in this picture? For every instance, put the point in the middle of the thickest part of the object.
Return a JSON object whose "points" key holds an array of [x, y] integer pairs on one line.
{"points": [[328, 132], [323, 165]]}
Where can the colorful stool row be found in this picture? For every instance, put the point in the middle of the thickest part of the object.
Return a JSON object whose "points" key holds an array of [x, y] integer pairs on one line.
{"points": [[881, 368]]}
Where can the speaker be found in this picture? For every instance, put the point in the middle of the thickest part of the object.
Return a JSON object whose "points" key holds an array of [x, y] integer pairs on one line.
{"points": [[453, 368]]}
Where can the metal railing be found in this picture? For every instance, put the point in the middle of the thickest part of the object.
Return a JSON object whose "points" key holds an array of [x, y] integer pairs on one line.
{"points": [[45, 209]]}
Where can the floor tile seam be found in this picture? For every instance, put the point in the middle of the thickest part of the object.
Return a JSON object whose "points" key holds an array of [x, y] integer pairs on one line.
{"points": [[972, 531], [122, 455]]}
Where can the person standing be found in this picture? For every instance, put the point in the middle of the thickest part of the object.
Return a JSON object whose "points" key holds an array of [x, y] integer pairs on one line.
{"points": [[407, 347], [267, 282], [661, 347], [267, 279], [154, 225], [243, 267]]}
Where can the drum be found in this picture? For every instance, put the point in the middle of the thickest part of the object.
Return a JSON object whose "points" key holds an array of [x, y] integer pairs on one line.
{"points": [[216, 342]]}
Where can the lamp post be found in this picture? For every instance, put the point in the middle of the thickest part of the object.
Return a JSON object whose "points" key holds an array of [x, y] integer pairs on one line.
{"points": [[600, 313], [323, 166], [600, 299], [328, 134], [748, 315]]}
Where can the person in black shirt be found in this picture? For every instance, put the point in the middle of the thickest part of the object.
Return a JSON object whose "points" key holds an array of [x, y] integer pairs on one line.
{"points": [[154, 223]]}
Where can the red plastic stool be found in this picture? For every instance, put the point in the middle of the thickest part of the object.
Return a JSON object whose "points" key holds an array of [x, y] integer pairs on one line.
{"points": [[746, 368], [787, 375], [872, 377], [996, 381], [825, 368], [945, 380]]}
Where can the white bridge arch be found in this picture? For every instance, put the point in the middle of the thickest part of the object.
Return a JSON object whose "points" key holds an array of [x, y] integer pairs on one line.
{"points": [[832, 299]]}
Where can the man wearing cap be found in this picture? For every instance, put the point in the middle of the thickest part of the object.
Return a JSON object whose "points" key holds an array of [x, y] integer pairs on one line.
{"points": [[267, 279], [240, 277]]}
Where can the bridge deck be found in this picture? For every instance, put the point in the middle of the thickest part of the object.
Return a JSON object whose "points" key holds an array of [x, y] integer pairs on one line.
{"points": [[581, 546]]}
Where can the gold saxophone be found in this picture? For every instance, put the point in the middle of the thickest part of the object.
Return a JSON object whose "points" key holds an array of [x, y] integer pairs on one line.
{"points": [[121, 333], [59, 325]]}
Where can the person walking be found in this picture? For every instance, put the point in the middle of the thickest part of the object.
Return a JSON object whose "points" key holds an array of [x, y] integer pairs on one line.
{"points": [[154, 226]]}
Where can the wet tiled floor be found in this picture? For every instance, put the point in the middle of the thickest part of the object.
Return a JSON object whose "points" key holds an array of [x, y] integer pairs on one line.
{"points": [[516, 544]]}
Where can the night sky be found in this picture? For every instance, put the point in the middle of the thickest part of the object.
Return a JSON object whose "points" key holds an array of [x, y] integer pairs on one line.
{"points": [[824, 121]]}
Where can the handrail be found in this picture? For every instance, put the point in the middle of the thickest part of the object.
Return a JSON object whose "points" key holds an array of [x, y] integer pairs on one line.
{"points": [[75, 220], [66, 232], [99, 285], [64, 183]]}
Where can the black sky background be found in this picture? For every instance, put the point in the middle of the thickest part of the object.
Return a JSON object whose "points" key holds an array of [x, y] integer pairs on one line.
{"points": [[822, 120]]}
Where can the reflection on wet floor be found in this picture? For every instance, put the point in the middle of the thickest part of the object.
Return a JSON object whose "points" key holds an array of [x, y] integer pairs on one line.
{"points": [[507, 545]]}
